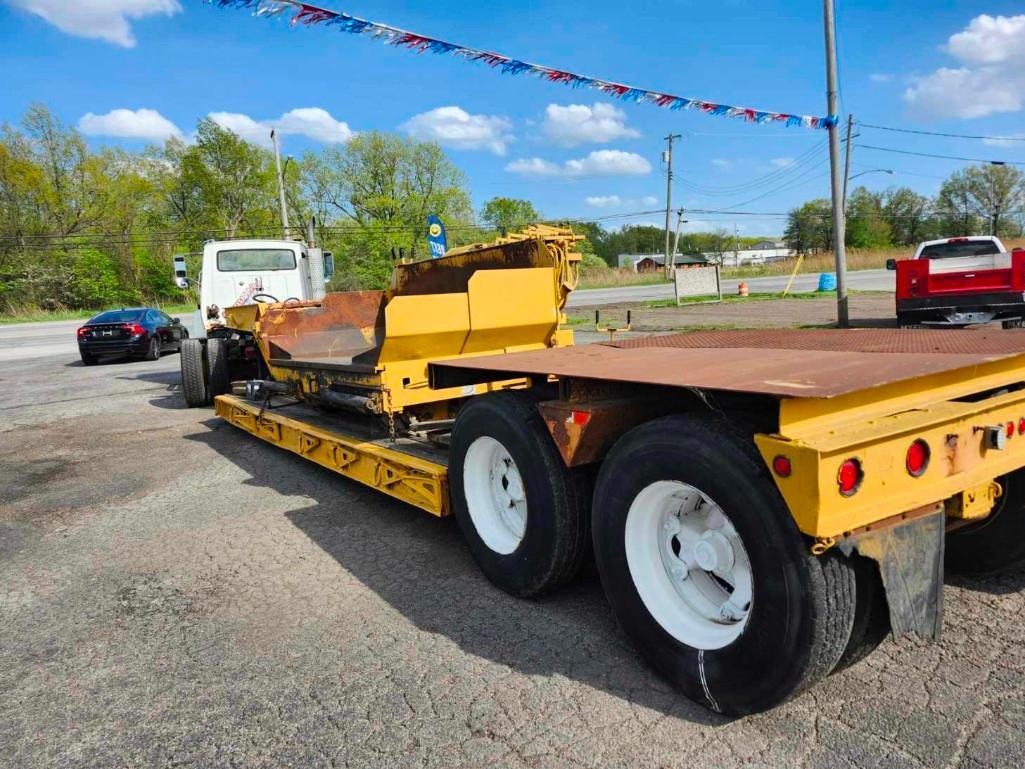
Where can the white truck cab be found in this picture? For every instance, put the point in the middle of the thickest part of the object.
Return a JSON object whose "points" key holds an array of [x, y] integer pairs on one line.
{"points": [[237, 272]]}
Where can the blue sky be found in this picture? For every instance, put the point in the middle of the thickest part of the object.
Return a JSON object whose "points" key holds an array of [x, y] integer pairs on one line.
{"points": [[129, 71]]}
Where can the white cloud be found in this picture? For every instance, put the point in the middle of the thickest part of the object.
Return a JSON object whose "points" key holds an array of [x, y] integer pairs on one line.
{"points": [[108, 20], [597, 163], [781, 162], [990, 78], [989, 40], [312, 122], [455, 127], [603, 201], [575, 124], [1009, 140], [129, 124], [614, 201], [880, 77], [722, 163]]}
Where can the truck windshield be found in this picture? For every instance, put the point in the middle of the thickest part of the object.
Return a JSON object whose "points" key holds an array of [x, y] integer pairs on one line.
{"points": [[962, 248], [255, 259]]}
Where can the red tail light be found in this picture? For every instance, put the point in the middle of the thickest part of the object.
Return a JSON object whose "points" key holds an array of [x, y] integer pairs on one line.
{"points": [[848, 478], [135, 328], [1021, 426], [83, 331], [1010, 429], [917, 459]]}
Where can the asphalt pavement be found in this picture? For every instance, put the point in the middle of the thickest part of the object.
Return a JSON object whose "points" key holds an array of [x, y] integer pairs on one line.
{"points": [[174, 592], [862, 280], [31, 340]]}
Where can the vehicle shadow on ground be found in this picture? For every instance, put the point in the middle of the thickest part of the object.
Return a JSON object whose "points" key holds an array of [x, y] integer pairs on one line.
{"points": [[172, 379], [420, 566]]}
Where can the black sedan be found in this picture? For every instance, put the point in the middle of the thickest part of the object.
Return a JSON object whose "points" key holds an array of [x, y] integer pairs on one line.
{"points": [[137, 332]]}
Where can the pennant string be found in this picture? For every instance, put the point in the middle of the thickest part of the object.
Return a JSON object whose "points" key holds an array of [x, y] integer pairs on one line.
{"points": [[307, 14]]}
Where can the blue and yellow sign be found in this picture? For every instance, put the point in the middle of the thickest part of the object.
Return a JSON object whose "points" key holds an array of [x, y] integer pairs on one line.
{"points": [[436, 236]]}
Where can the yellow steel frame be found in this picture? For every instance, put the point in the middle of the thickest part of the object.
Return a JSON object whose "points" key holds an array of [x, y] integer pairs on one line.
{"points": [[412, 479], [876, 426]]}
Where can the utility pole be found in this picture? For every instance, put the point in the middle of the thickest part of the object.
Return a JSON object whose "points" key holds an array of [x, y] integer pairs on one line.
{"points": [[839, 219], [847, 160], [281, 182], [668, 157]]}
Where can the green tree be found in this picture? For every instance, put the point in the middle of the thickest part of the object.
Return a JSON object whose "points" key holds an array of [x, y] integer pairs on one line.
{"points": [[809, 227], [956, 207], [504, 214], [867, 226], [995, 192], [908, 215]]}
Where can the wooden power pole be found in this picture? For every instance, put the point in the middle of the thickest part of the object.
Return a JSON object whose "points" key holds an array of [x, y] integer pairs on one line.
{"points": [[836, 186], [668, 156]]}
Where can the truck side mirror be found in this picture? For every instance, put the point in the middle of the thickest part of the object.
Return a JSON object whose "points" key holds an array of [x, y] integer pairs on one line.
{"points": [[329, 266], [891, 264], [180, 273]]}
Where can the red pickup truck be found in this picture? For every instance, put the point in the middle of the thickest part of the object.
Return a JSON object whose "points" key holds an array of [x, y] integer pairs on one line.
{"points": [[960, 282]]}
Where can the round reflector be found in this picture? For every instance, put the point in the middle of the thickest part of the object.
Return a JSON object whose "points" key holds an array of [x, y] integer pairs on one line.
{"points": [[1021, 426], [1010, 429], [849, 477], [917, 459], [781, 466]]}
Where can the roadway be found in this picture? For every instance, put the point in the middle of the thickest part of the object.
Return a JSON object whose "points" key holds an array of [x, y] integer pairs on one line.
{"points": [[862, 280], [23, 341]]}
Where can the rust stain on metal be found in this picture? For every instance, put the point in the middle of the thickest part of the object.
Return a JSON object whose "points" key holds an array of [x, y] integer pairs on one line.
{"points": [[868, 340], [584, 432], [449, 275], [341, 326], [766, 370]]}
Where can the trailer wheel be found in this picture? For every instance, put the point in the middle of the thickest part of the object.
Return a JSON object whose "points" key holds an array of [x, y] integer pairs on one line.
{"points": [[217, 367], [871, 614], [193, 365], [707, 572], [524, 514], [997, 542]]}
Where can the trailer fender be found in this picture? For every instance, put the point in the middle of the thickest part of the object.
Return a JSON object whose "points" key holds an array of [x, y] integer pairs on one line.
{"points": [[910, 558]]}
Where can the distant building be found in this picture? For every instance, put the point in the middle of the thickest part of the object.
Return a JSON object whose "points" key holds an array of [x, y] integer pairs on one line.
{"points": [[653, 262], [757, 253]]}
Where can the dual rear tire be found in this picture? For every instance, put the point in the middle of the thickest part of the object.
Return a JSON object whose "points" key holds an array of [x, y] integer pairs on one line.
{"points": [[205, 371], [699, 557]]}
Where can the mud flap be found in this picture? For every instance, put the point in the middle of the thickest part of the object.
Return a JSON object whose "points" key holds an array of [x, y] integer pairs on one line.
{"points": [[910, 558]]}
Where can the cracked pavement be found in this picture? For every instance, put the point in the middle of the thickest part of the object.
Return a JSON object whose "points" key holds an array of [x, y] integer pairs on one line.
{"points": [[175, 592]]}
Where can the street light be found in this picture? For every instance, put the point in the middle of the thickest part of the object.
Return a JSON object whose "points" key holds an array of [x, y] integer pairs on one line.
{"points": [[873, 171]]}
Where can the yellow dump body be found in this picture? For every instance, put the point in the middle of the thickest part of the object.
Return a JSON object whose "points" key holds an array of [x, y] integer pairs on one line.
{"points": [[494, 298]]}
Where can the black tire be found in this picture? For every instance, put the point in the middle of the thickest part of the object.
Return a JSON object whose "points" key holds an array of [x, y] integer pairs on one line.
{"points": [[997, 542], [217, 368], [87, 359], [181, 341], [153, 351], [193, 365], [871, 614], [556, 536], [1013, 324], [802, 607]]}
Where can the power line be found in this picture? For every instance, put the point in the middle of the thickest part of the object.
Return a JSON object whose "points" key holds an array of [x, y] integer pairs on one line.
{"points": [[944, 157], [940, 133]]}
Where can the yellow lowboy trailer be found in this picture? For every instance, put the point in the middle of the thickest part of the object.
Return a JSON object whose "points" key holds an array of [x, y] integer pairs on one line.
{"points": [[764, 507]]}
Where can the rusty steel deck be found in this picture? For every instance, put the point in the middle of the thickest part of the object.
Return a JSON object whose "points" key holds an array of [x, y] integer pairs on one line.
{"points": [[784, 363]]}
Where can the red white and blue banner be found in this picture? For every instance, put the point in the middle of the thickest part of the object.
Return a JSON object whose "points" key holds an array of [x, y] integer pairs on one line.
{"points": [[304, 13]]}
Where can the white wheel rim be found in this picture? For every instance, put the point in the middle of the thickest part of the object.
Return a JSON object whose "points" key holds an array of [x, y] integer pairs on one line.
{"points": [[495, 497], [688, 564]]}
